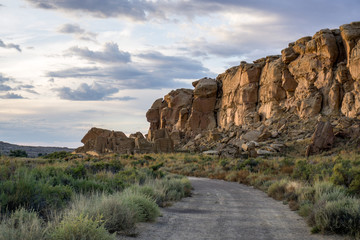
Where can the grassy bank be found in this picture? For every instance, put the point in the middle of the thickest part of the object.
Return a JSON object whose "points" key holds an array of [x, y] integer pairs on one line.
{"points": [[66, 197], [323, 189]]}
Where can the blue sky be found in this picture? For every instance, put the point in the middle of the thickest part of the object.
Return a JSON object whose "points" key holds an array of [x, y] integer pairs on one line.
{"points": [[69, 65]]}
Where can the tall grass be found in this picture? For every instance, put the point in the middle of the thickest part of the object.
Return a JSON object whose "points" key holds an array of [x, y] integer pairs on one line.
{"points": [[81, 198], [22, 224]]}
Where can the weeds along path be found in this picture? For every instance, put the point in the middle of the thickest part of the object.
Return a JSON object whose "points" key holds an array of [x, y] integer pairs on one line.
{"points": [[225, 210]]}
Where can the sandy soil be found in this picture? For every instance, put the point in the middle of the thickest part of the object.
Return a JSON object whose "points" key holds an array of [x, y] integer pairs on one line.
{"points": [[225, 210]]}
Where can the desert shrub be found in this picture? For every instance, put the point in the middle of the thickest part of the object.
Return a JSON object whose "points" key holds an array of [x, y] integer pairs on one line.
{"points": [[302, 170], [81, 227], [175, 189], [249, 164], [327, 191], [243, 176], [260, 181], [339, 216], [354, 187], [148, 158], [144, 208], [24, 190], [305, 209], [156, 167], [18, 153], [57, 155], [22, 225], [152, 190], [78, 171], [306, 194], [88, 185], [132, 176], [113, 166], [277, 189], [116, 216]]}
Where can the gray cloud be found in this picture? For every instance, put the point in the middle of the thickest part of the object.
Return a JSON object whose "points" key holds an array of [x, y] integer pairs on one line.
{"points": [[123, 99], [12, 96], [4, 87], [133, 9], [10, 45], [78, 32], [153, 70], [86, 92], [110, 54], [321, 11]]}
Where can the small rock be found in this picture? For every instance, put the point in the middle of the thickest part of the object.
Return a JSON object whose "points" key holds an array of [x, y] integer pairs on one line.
{"points": [[251, 136], [211, 152], [263, 152]]}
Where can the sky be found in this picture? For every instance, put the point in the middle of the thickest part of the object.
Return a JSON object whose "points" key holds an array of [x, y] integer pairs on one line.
{"points": [[69, 65]]}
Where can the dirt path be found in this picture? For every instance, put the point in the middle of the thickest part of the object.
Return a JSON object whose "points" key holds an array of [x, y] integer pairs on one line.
{"points": [[225, 210]]}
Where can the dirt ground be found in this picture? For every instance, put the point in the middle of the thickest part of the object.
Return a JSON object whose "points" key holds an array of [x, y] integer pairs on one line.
{"points": [[226, 210]]}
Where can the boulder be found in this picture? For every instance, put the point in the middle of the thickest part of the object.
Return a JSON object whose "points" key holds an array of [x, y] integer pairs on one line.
{"points": [[322, 139], [251, 136]]}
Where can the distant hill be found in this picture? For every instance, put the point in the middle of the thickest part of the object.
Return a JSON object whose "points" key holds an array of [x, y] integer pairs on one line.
{"points": [[5, 149]]}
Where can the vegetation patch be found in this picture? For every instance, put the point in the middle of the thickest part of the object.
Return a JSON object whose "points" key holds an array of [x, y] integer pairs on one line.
{"points": [[67, 197]]}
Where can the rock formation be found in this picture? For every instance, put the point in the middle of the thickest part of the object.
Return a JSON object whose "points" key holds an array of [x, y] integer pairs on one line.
{"points": [[265, 104], [105, 141], [274, 98]]}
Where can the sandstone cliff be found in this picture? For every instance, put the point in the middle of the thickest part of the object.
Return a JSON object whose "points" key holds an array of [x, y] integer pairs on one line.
{"points": [[314, 78], [260, 107]]}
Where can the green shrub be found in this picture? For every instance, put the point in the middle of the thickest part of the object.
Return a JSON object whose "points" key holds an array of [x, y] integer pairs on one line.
{"points": [[81, 228], [22, 225], [277, 189], [354, 187], [115, 214], [18, 153], [327, 191], [57, 155], [25, 190], [144, 207], [77, 172], [340, 216], [305, 209]]}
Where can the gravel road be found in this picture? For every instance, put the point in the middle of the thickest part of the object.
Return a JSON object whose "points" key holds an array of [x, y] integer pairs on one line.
{"points": [[226, 210]]}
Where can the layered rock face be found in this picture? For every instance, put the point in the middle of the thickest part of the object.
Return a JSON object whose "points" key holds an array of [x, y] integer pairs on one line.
{"points": [[257, 108], [314, 76]]}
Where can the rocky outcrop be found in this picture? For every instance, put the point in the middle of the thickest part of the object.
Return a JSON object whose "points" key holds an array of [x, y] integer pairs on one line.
{"points": [[257, 108], [314, 77], [105, 141]]}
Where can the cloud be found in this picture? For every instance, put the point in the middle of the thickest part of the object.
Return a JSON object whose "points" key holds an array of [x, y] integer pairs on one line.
{"points": [[123, 99], [10, 45], [86, 92], [11, 96], [133, 9], [4, 87], [151, 70], [146, 10], [110, 54], [78, 32]]}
